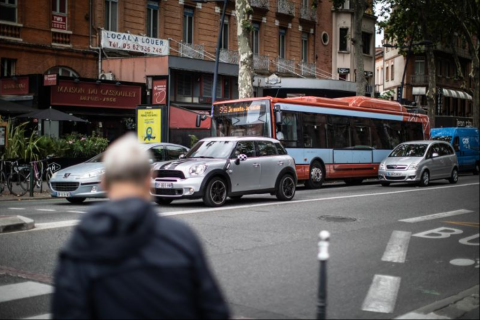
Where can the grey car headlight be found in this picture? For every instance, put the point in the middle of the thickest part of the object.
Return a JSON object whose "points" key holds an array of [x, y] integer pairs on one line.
{"points": [[93, 174], [413, 166], [54, 175], [383, 166], [198, 170]]}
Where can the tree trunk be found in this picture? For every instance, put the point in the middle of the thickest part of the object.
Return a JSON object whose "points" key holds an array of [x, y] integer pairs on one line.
{"points": [[476, 91], [432, 86], [244, 26], [359, 10]]}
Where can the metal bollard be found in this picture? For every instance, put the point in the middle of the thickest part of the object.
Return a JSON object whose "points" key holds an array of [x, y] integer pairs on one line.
{"points": [[323, 256], [31, 180]]}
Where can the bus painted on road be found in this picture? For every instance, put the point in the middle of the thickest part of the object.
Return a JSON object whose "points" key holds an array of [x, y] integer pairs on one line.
{"points": [[344, 138]]}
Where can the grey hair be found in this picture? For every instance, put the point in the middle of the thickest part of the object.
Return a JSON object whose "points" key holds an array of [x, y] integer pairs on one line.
{"points": [[126, 161]]}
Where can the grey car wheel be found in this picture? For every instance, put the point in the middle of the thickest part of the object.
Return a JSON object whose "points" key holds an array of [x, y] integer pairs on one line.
{"points": [[216, 193], [425, 180], [286, 188], [76, 200], [454, 178]]}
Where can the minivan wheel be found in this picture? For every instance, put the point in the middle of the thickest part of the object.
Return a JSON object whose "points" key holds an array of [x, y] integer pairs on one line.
{"points": [[163, 201], [316, 176], [216, 193], [454, 178], [425, 181], [476, 171], [286, 188], [76, 200]]}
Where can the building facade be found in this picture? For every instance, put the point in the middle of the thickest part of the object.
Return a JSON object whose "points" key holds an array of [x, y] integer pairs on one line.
{"points": [[379, 71]]}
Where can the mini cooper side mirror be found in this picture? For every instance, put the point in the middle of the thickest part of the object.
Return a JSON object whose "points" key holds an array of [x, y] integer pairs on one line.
{"points": [[241, 158]]}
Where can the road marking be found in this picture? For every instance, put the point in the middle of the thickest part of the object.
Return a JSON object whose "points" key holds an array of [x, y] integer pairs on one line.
{"points": [[16, 208], [436, 216], [439, 233], [47, 210], [81, 212], [178, 213], [397, 247], [414, 315], [54, 225], [42, 317], [464, 224], [382, 296], [462, 262], [23, 290]]}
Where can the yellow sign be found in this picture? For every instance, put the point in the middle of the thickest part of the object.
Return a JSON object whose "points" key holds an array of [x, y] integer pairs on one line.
{"points": [[149, 128]]}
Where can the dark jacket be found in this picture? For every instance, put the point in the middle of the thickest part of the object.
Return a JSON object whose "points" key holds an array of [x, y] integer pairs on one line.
{"points": [[126, 262]]}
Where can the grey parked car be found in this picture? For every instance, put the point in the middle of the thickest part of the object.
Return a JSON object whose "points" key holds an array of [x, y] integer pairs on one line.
{"points": [[420, 162], [82, 181], [218, 168]]}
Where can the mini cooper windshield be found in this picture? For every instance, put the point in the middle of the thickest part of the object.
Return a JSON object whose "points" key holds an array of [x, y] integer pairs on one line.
{"points": [[409, 150], [212, 150]]}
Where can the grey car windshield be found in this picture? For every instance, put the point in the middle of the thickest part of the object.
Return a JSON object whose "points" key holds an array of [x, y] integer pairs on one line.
{"points": [[211, 150], [243, 119], [443, 138], [409, 150]]}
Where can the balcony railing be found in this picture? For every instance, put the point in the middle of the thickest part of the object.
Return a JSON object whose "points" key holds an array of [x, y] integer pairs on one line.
{"points": [[61, 38], [308, 13], [261, 63], [308, 69], [420, 79], [286, 7], [261, 4], [229, 56], [193, 51], [285, 66], [10, 30]]}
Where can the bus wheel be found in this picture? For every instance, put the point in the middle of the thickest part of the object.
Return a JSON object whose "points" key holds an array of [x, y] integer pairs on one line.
{"points": [[316, 176]]}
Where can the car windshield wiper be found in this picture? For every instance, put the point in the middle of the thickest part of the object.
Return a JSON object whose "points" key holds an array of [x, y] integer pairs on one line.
{"points": [[202, 157]]}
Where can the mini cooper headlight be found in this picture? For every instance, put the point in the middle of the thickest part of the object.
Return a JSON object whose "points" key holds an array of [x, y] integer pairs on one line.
{"points": [[198, 170], [93, 174]]}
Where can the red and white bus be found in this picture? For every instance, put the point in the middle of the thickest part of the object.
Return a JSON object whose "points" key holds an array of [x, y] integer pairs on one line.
{"points": [[345, 138]]}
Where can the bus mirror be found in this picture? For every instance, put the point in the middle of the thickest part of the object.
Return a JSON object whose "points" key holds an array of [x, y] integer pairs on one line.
{"points": [[199, 121], [278, 117]]}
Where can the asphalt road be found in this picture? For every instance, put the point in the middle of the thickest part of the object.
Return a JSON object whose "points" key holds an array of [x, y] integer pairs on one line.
{"points": [[264, 252]]}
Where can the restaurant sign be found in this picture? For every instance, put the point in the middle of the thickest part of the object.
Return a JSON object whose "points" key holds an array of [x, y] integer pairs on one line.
{"points": [[130, 42], [90, 94], [14, 86]]}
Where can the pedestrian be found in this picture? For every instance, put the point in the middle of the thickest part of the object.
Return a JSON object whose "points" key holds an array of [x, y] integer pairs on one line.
{"points": [[125, 262]]}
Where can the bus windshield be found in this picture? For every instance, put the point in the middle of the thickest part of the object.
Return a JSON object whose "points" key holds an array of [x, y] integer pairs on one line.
{"points": [[242, 119]]}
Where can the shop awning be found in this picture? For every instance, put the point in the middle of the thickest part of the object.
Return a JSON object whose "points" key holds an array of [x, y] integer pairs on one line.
{"points": [[7, 107], [456, 94]]}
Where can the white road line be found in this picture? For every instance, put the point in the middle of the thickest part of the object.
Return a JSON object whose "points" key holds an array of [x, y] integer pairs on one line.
{"points": [[81, 212], [166, 214], [23, 290], [382, 296], [436, 216], [397, 247], [42, 317], [16, 208], [417, 316], [46, 210]]}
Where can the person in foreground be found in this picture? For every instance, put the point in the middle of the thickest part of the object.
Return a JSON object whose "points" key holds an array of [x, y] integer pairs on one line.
{"points": [[125, 262]]}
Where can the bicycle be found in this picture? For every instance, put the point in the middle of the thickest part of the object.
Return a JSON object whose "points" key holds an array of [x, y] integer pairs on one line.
{"points": [[17, 178], [3, 177]]}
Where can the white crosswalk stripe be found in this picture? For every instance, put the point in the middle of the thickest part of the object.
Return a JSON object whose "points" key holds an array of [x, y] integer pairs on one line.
{"points": [[12, 293]]}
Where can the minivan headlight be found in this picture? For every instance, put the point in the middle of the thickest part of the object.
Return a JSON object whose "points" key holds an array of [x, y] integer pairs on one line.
{"points": [[198, 170], [93, 174], [413, 166]]}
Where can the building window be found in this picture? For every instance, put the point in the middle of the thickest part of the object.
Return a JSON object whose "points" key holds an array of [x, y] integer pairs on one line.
{"points": [[59, 6], [393, 72], [439, 68], [111, 15], [8, 67], [225, 35], [8, 10], [325, 38], [447, 69], [256, 38], [184, 88], [188, 25], [305, 47], [63, 72], [282, 43], [207, 85], [419, 67], [388, 74], [152, 19], [367, 41], [346, 5], [343, 40]]}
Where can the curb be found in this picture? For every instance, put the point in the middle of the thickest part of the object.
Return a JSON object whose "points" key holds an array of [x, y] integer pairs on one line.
{"points": [[17, 199], [15, 223], [450, 308]]}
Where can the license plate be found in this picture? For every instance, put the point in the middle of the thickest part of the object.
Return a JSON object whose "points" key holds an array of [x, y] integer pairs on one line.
{"points": [[394, 174], [163, 185], [63, 194]]}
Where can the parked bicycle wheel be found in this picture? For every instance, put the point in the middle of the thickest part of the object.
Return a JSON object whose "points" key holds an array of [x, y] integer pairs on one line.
{"points": [[16, 183], [3, 182]]}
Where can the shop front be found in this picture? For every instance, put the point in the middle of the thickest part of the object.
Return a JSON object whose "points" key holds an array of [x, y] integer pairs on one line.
{"points": [[109, 107]]}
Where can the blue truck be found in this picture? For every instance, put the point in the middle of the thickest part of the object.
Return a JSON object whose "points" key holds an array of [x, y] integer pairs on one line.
{"points": [[465, 141]]}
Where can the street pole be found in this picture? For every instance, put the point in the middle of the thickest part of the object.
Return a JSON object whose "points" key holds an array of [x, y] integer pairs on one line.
{"points": [[323, 256], [400, 90], [217, 56]]}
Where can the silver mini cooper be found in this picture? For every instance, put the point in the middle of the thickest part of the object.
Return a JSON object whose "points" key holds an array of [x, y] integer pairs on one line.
{"points": [[420, 162], [218, 168]]}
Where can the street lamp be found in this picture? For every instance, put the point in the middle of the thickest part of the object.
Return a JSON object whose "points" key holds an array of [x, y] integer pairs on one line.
{"points": [[219, 43], [426, 43]]}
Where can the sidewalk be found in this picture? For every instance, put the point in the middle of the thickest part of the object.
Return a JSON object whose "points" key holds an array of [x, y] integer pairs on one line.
{"points": [[6, 196]]}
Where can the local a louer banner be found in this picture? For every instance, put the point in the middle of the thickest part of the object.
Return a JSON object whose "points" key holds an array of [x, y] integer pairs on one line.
{"points": [[130, 42]]}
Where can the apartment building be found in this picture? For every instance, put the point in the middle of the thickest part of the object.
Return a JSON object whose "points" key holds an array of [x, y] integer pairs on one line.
{"points": [[453, 103], [379, 71]]}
